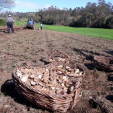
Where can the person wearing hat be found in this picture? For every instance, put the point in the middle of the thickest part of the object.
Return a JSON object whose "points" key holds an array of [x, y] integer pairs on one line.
{"points": [[10, 24]]}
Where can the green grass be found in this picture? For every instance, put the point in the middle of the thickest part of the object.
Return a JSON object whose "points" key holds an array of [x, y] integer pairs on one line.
{"points": [[21, 23], [94, 32]]}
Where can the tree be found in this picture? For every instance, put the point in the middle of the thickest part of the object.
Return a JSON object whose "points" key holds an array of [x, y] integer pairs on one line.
{"points": [[109, 22], [6, 4], [89, 14], [104, 11]]}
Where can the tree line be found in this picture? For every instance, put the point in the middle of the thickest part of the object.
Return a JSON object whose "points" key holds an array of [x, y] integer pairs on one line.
{"points": [[98, 15]]}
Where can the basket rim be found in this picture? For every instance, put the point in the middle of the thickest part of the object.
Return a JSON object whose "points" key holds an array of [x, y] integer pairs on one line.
{"points": [[15, 77], [53, 53]]}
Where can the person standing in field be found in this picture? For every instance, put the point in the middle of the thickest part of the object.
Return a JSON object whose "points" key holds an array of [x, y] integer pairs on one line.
{"points": [[41, 26], [10, 24]]}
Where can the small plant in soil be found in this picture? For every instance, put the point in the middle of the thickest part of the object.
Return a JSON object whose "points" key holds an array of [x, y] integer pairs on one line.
{"points": [[27, 57], [83, 93], [8, 48]]}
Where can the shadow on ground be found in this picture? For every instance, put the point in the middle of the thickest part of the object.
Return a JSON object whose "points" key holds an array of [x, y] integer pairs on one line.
{"points": [[8, 89], [110, 98], [109, 52], [110, 77], [87, 54]]}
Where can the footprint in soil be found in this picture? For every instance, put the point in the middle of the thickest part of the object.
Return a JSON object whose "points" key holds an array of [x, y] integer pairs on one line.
{"points": [[8, 89]]}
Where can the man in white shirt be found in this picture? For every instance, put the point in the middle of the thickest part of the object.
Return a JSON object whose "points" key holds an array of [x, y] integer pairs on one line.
{"points": [[10, 24]]}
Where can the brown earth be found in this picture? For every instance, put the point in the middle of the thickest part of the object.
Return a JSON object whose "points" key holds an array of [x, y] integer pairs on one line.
{"points": [[36, 46]]}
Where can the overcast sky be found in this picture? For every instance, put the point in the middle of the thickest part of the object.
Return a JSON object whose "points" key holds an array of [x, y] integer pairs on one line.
{"points": [[34, 5]]}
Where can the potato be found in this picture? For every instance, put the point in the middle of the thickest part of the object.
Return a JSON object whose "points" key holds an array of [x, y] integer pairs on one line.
{"points": [[59, 72], [40, 76], [59, 66], [33, 83], [77, 71], [19, 74], [24, 79], [72, 88], [45, 81], [65, 78], [32, 76]]}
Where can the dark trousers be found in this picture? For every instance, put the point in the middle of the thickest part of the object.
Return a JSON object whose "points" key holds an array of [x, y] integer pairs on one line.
{"points": [[10, 25]]}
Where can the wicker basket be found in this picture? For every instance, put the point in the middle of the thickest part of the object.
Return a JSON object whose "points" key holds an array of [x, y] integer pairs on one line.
{"points": [[60, 103], [58, 56]]}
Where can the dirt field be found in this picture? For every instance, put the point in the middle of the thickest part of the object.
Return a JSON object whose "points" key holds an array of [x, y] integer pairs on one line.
{"points": [[36, 46]]}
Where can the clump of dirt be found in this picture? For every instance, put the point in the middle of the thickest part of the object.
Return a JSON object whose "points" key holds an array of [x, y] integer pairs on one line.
{"points": [[36, 46]]}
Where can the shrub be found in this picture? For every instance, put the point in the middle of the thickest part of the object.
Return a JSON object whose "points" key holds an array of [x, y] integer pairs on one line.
{"points": [[2, 22]]}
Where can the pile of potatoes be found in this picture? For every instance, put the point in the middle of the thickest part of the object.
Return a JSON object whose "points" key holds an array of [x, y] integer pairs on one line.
{"points": [[56, 80]]}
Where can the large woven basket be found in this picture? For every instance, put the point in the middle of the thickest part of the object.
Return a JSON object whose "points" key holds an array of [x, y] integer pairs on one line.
{"points": [[60, 103]]}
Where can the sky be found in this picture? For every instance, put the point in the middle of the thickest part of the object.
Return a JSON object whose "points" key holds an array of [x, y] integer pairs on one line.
{"points": [[35, 5]]}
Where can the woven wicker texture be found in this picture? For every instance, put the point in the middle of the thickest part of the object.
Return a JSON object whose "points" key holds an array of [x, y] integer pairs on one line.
{"points": [[56, 87]]}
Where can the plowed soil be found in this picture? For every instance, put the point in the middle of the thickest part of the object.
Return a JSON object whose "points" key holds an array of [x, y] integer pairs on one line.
{"points": [[36, 46]]}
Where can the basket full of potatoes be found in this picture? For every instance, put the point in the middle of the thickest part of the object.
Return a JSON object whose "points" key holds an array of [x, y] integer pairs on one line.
{"points": [[56, 87]]}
